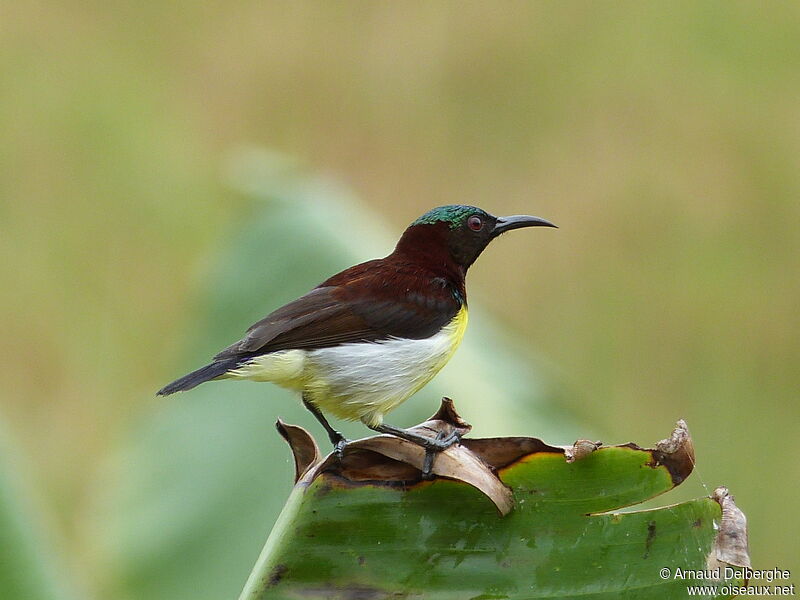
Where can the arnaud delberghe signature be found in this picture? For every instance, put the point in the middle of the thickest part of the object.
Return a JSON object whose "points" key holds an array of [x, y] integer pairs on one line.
{"points": [[725, 573]]}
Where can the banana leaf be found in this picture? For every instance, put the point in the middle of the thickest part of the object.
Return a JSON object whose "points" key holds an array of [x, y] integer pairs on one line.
{"points": [[369, 525]]}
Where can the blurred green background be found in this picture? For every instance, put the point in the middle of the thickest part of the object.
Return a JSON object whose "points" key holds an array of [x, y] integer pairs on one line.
{"points": [[138, 211]]}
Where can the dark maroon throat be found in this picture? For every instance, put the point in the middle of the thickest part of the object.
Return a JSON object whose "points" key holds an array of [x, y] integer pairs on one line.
{"points": [[427, 247]]}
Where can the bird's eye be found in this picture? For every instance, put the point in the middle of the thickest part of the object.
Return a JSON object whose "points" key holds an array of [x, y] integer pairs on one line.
{"points": [[475, 223]]}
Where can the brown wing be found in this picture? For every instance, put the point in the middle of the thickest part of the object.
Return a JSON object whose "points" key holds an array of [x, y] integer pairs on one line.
{"points": [[367, 306]]}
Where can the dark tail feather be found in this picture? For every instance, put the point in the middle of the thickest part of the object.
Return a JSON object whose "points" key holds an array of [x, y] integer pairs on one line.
{"points": [[199, 376]]}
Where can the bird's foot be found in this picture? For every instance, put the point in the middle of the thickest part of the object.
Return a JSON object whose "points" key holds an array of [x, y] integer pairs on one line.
{"points": [[442, 441], [433, 447], [339, 443]]}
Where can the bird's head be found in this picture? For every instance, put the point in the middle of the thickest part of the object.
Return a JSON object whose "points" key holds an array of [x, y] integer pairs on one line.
{"points": [[464, 231]]}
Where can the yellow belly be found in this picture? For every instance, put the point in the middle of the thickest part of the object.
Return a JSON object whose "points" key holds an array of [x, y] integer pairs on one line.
{"points": [[360, 380]]}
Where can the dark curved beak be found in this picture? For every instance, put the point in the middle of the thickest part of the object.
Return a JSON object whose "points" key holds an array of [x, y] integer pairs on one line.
{"points": [[518, 221]]}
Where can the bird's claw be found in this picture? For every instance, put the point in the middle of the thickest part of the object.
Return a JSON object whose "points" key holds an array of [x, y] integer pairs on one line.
{"points": [[441, 442], [339, 445]]}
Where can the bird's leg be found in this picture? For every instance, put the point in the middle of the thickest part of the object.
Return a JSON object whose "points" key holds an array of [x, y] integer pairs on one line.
{"points": [[431, 446], [337, 439]]}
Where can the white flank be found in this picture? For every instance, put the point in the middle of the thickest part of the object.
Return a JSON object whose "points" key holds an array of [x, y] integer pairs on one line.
{"points": [[365, 381], [360, 380]]}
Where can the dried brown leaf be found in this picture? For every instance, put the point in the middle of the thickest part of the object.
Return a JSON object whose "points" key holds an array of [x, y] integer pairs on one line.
{"points": [[304, 448], [730, 545], [580, 449]]}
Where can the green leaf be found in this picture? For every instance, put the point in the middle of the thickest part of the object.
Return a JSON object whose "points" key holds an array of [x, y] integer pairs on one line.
{"points": [[366, 528], [28, 565]]}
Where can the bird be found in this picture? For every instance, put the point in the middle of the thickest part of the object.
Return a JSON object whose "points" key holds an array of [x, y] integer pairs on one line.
{"points": [[364, 340]]}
